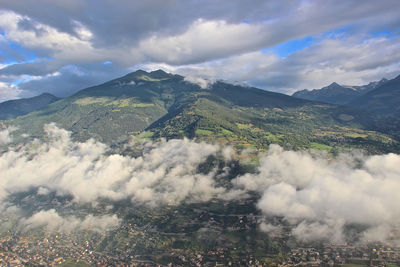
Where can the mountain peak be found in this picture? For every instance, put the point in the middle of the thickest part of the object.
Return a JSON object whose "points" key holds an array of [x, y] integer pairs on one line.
{"points": [[159, 71], [334, 84], [141, 75], [159, 74], [138, 73]]}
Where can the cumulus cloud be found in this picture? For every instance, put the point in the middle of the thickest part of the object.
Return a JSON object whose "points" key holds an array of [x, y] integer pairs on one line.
{"points": [[53, 222], [8, 92], [203, 41], [165, 174], [270, 228], [203, 83], [5, 135], [329, 230], [35, 35], [354, 60], [319, 196], [207, 34]]}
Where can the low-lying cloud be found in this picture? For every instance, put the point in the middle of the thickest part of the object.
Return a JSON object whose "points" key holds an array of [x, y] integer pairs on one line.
{"points": [[319, 197], [203, 83], [165, 174], [53, 222], [5, 135]]}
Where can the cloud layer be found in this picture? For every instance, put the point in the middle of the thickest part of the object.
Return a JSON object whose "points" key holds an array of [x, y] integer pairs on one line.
{"points": [[350, 42], [53, 222], [349, 60], [5, 135], [317, 196], [165, 174]]}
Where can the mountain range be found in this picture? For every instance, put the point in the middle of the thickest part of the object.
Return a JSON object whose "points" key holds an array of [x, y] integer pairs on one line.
{"points": [[338, 94], [162, 105], [384, 100], [382, 97]]}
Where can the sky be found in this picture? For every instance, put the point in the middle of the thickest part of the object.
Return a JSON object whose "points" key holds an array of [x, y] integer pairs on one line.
{"points": [[61, 47]]}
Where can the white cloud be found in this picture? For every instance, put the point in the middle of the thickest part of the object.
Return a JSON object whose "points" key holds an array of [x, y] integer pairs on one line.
{"points": [[5, 135], [37, 36], [379, 233], [351, 60], [203, 83], [8, 92], [166, 173], [214, 40], [320, 195], [204, 40], [53, 222], [270, 228], [316, 195], [329, 230]]}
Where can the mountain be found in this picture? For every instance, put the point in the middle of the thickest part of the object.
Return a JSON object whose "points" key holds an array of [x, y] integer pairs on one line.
{"points": [[157, 104], [384, 100], [14, 108], [338, 94]]}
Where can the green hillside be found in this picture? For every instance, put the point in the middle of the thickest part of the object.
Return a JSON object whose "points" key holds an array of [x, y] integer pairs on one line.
{"points": [[165, 105], [14, 108]]}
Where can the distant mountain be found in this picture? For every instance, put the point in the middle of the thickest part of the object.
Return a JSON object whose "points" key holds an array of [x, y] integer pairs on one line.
{"points": [[158, 104], [14, 108], [384, 100], [338, 94]]}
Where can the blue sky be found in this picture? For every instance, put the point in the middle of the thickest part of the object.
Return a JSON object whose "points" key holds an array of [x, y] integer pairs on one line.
{"points": [[280, 46], [13, 53], [287, 48]]}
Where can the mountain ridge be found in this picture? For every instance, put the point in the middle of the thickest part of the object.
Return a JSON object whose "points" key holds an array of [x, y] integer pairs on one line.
{"points": [[383, 100], [163, 105], [338, 94], [13, 108]]}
